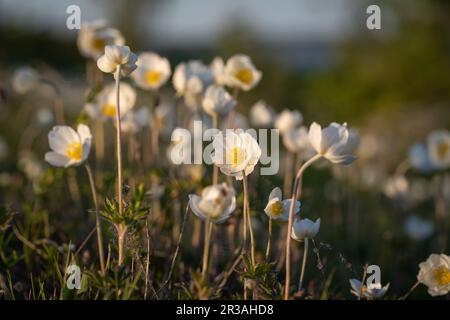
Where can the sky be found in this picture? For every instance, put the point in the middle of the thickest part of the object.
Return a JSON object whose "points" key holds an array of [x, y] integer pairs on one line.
{"points": [[183, 22]]}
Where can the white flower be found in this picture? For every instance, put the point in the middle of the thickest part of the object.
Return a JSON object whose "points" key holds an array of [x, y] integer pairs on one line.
{"points": [[217, 101], [419, 158], [190, 80], [116, 56], [152, 71], [235, 152], [372, 291], [305, 228], [396, 187], [435, 274], [335, 143], [261, 114], [134, 121], [439, 148], [417, 228], [297, 140], [288, 120], [277, 208], [104, 104], [218, 70], [25, 79], [94, 36], [241, 73], [216, 203], [69, 147]]}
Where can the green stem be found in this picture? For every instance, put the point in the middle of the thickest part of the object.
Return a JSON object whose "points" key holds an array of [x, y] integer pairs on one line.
{"points": [[305, 255]]}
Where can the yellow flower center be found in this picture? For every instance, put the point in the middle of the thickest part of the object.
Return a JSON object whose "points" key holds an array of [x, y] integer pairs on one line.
{"points": [[244, 76], [74, 151], [276, 208], [442, 276], [152, 77], [442, 150], [236, 156], [109, 110], [98, 44]]}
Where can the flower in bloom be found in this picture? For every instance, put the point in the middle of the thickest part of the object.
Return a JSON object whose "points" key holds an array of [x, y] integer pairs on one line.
{"points": [[104, 104], [305, 228], [435, 274], [335, 143], [94, 36], [190, 80], [262, 115], [152, 71], [297, 140], [25, 79], [371, 291], [216, 203], [241, 73], [417, 228], [277, 208], [217, 101], [288, 120], [69, 147], [439, 149], [116, 56], [235, 153]]}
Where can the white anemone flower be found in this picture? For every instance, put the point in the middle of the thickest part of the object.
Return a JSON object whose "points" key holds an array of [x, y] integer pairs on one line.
{"points": [[235, 153], [152, 71], [277, 208], [288, 120], [94, 36], [439, 149], [297, 140], [104, 104], [217, 101], [335, 143], [419, 158], [190, 80], [116, 56], [417, 228], [218, 70], [25, 79], [241, 73], [371, 291], [216, 203], [69, 147], [435, 274], [305, 229], [262, 115]]}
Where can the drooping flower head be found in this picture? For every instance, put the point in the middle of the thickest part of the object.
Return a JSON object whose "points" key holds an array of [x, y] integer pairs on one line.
{"points": [[335, 143], [69, 147], [217, 101], [94, 36], [116, 56], [241, 73], [262, 115], [152, 71], [305, 228], [288, 120], [277, 208], [297, 141], [216, 203], [435, 274], [235, 152], [371, 291]]}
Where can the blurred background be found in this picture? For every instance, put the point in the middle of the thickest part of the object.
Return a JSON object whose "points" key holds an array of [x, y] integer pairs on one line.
{"points": [[316, 56]]}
